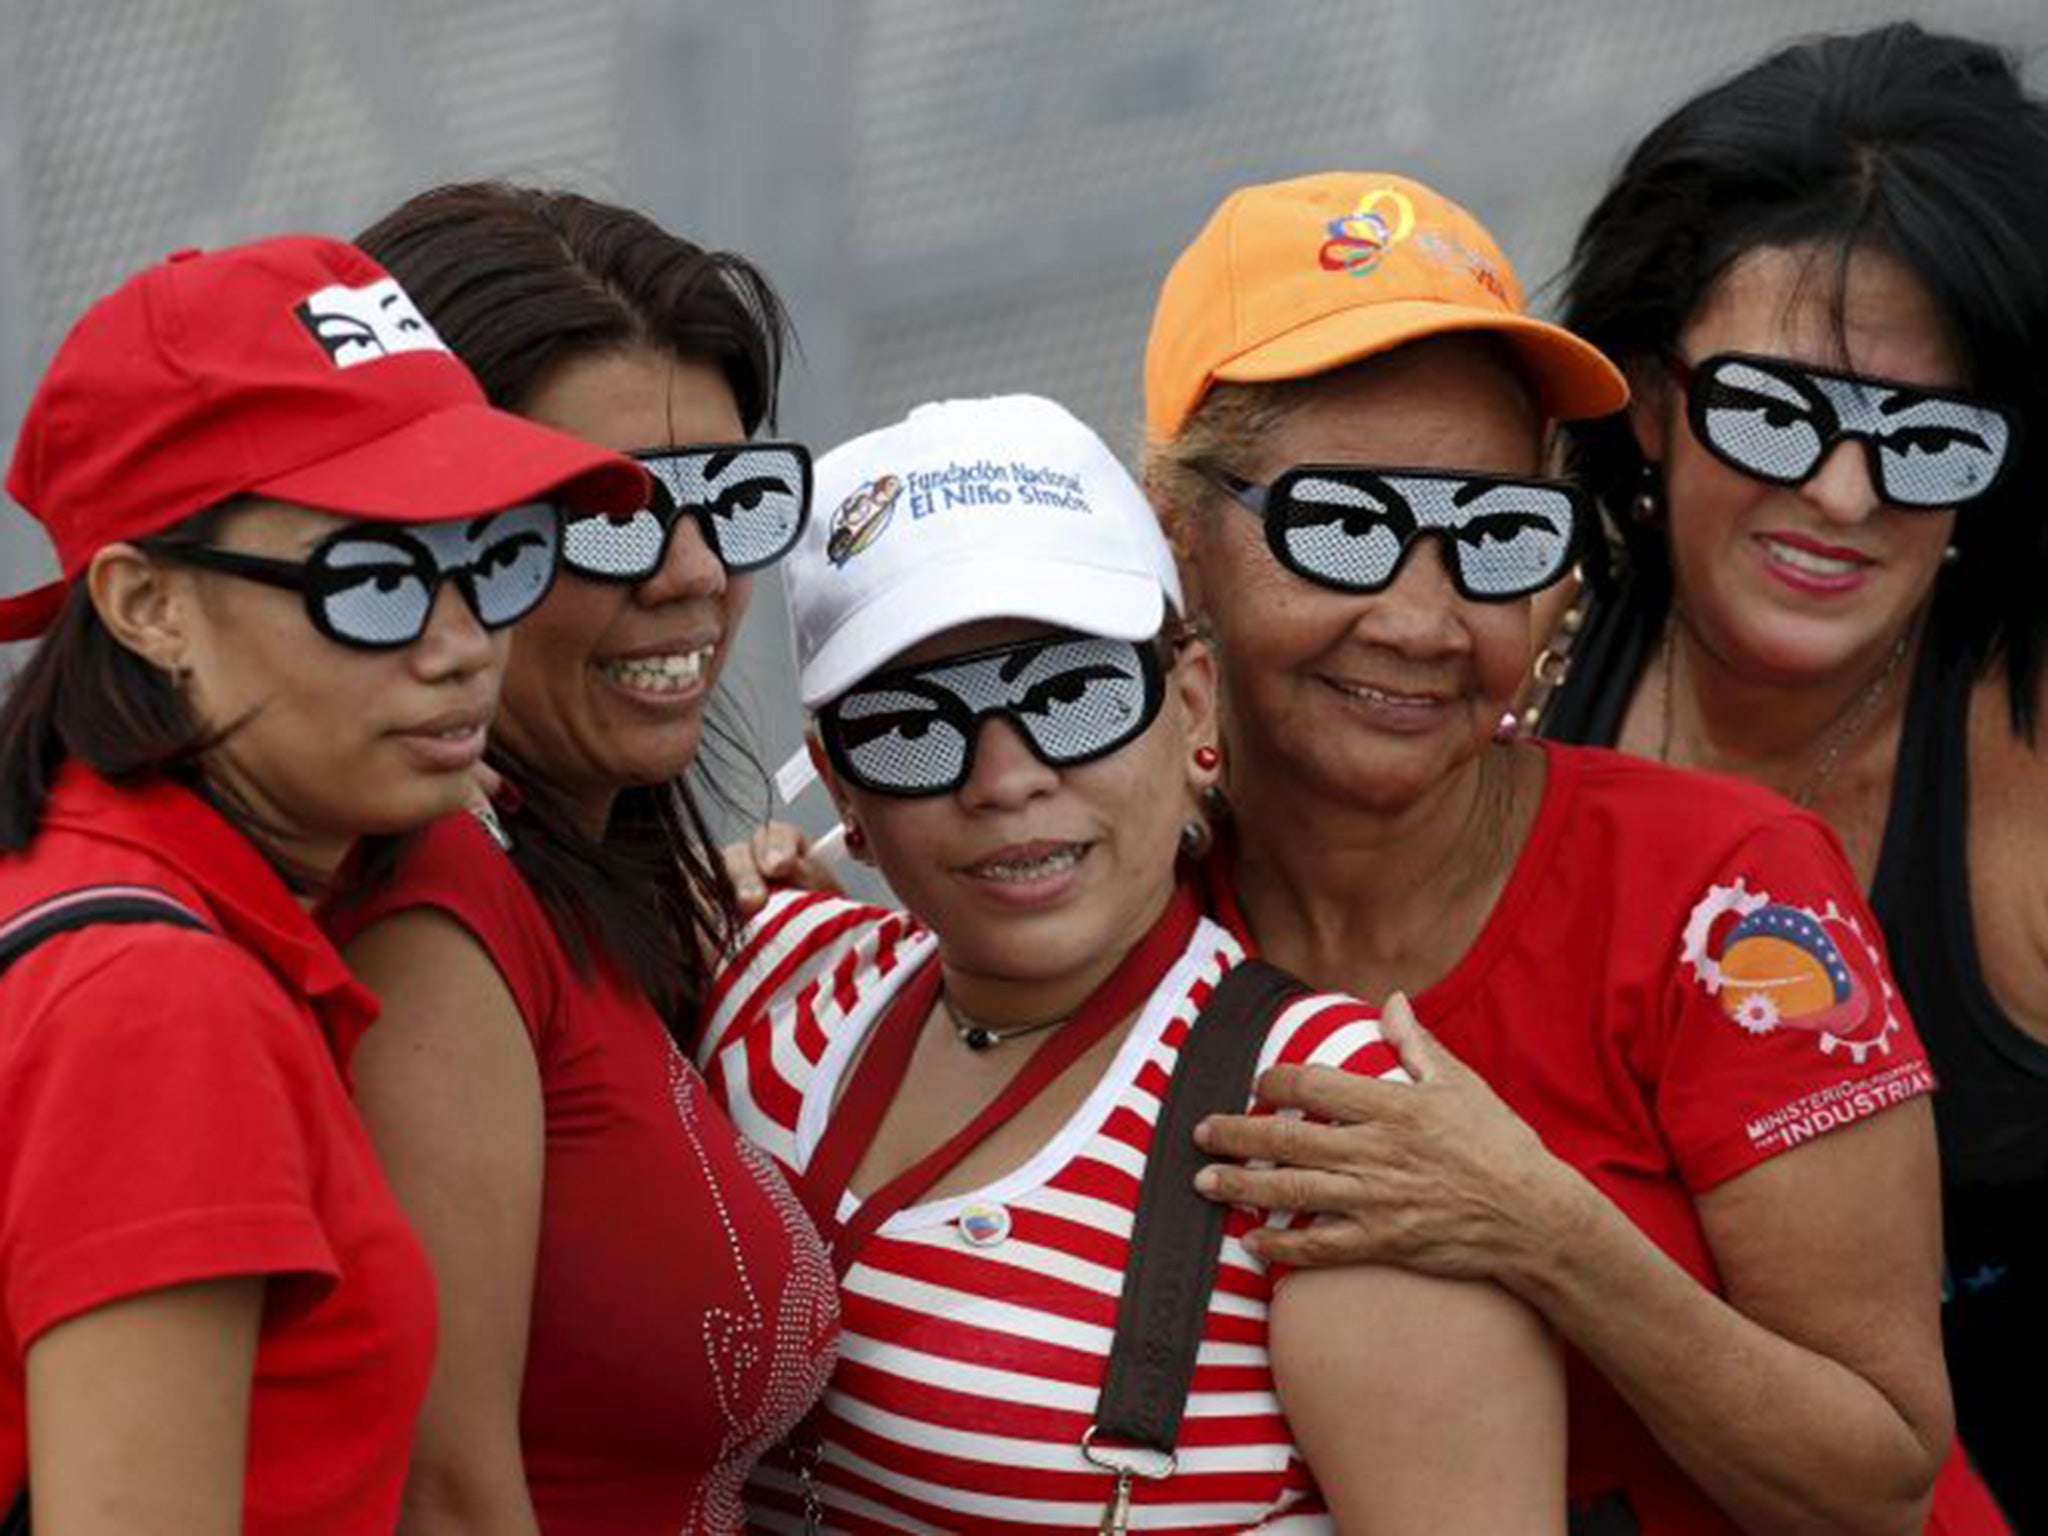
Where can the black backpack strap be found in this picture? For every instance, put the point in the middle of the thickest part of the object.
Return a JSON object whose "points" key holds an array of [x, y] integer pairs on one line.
{"points": [[61, 913], [85, 906], [1177, 1235]]}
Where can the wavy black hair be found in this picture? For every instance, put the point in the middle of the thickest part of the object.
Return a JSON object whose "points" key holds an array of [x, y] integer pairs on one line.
{"points": [[521, 281], [1924, 147]]}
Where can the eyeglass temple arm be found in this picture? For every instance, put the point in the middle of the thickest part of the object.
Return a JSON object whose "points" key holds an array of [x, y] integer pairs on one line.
{"points": [[1248, 494], [288, 574]]}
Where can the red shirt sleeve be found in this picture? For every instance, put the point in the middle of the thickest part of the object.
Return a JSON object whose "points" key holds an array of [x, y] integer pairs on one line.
{"points": [[158, 1088], [1780, 1017]]}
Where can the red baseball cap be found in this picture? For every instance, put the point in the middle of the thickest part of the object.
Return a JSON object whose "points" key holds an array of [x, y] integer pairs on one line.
{"points": [[295, 369]]}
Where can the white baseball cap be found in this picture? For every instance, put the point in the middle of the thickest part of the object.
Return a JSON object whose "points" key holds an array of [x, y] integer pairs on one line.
{"points": [[1000, 508]]}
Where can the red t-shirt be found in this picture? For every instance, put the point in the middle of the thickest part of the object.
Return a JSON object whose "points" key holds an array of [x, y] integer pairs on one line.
{"points": [[684, 1312], [1679, 981], [176, 1109]]}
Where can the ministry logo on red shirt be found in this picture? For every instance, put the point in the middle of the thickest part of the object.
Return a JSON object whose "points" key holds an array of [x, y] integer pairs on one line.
{"points": [[1773, 965]]}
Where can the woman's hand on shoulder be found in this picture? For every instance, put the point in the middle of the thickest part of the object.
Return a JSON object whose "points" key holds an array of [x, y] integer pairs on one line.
{"points": [[776, 856], [1438, 1174]]}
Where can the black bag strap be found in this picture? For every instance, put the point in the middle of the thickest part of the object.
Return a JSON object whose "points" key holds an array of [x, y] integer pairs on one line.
{"points": [[1178, 1235], [81, 908], [85, 906]]}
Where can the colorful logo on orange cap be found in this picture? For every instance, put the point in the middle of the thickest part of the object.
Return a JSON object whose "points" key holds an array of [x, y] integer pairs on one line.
{"points": [[1360, 239], [860, 518]]}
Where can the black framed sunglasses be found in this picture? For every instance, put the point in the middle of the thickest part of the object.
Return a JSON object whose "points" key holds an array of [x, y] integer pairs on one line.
{"points": [[373, 585], [749, 500], [1777, 421], [912, 731], [1350, 527]]}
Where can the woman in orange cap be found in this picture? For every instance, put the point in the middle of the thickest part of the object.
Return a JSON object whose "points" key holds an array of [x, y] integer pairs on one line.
{"points": [[1672, 1100], [291, 533]]}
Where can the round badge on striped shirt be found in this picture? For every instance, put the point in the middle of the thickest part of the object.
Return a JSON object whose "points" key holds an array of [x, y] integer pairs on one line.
{"points": [[984, 1225]]}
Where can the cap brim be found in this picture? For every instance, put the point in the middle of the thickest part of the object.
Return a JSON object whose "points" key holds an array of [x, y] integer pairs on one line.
{"points": [[1118, 604], [1572, 377], [462, 462]]}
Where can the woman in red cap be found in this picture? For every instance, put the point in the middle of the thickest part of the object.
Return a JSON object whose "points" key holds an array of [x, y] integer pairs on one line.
{"points": [[634, 1306], [290, 530], [1677, 1106]]}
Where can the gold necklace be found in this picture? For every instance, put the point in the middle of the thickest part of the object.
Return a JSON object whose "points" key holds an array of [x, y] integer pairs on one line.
{"points": [[1846, 727]]}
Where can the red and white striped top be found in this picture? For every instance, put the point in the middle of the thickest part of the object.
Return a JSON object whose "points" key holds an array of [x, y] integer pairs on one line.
{"points": [[968, 1370]]}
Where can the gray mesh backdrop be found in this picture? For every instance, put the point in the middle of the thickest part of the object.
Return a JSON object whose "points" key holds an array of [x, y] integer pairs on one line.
{"points": [[955, 198]]}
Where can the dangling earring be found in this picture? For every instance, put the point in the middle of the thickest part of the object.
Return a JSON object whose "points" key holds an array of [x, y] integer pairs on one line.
{"points": [[1950, 554], [1647, 509], [1195, 838]]}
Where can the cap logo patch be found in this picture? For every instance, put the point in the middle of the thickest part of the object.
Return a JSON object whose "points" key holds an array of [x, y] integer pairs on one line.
{"points": [[1359, 239], [360, 325], [860, 519]]}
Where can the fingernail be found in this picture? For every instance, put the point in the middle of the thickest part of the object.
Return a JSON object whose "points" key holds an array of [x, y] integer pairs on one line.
{"points": [[1202, 1133], [1207, 1180]]}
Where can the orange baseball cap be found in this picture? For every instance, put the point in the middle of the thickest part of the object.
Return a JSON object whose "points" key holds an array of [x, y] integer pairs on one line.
{"points": [[1294, 278]]}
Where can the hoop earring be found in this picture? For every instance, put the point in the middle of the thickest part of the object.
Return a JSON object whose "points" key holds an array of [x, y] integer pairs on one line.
{"points": [[1647, 509]]}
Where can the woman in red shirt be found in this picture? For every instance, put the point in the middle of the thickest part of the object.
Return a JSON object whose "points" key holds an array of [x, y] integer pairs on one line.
{"points": [[262, 472], [635, 1306]]}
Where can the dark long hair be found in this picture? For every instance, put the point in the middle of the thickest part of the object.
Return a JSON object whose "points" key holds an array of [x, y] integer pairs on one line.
{"points": [[520, 282], [1925, 148]]}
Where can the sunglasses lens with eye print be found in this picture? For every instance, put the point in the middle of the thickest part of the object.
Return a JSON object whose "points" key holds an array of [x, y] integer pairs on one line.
{"points": [[900, 740], [615, 547], [912, 732], [1778, 420], [1762, 422], [749, 499], [510, 561], [372, 589], [1344, 533], [1941, 453], [1513, 540], [1349, 527]]}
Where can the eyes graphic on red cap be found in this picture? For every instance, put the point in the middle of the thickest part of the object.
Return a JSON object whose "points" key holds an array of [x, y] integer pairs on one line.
{"points": [[360, 325]]}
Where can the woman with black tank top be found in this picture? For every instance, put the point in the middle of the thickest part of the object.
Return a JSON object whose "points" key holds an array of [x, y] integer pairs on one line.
{"points": [[1826, 282]]}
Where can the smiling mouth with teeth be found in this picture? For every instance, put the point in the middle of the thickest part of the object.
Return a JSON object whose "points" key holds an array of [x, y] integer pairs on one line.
{"points": [[1810, 562], [1380, 696], [1058, 861], [659, 674]]}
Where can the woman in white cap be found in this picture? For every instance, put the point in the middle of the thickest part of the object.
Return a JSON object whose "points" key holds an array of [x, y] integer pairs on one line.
{"points": [[291, 533], [967, 1095], [1690, 1125]]}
